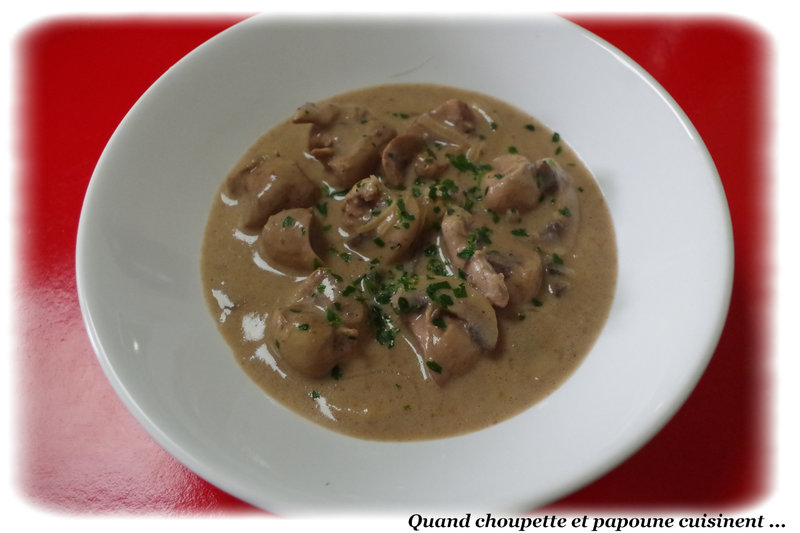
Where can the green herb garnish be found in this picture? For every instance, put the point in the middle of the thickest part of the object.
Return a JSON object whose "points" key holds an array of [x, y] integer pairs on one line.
{"points": [[433, 365], [333, 319], [462, 164]]}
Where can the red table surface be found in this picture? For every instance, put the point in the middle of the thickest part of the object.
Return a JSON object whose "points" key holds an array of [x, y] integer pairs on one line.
{"points": [[80, 451]]}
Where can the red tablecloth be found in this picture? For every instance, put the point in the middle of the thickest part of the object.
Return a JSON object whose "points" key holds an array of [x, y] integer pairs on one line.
{"points": [[81, 451]]}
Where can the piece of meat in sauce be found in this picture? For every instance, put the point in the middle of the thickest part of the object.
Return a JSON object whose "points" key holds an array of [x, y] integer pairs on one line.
{"points": [[318, 328], [453, 325], [266, 187], [285, 241], [346, 139], [503, 276], [361, 202], [511, 184], [462, 246], [522, 270]]}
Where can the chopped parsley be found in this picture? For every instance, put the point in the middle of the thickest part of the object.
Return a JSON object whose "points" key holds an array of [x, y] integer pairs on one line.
{"points": [[347, 291], [404, 307], [460, 291], [381, 323], [443, 189], [467, 253], [330, 192], [462, 164], [437, 266], [334, 275], [333, 319], [476, 237], [482, 235], [405, 217], [439, 323], [433, 288], [433, 365]]}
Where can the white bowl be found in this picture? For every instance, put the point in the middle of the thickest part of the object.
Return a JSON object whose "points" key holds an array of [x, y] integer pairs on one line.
{"points": [[145, 210]]}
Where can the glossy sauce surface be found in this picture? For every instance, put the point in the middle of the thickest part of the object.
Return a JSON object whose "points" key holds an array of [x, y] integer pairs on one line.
{"points": [[444, 287]]}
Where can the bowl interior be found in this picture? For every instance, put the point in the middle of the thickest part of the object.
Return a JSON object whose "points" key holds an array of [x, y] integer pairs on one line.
{"points": [[145, 211]]}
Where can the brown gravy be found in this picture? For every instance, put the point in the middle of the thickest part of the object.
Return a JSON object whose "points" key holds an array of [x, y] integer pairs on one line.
{"points": [[408, 262]]}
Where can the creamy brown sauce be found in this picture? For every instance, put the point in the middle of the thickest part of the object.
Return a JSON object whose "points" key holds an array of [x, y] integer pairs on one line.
{"points": [[409, 262]]}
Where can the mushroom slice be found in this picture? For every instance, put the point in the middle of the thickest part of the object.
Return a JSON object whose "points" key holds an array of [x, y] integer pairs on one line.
{"points": [[446, 346], [561, 230], [408, 157], [400, 229], [398, 157], [386, 225], [318, 328], [268, 186], [285, 241]]}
